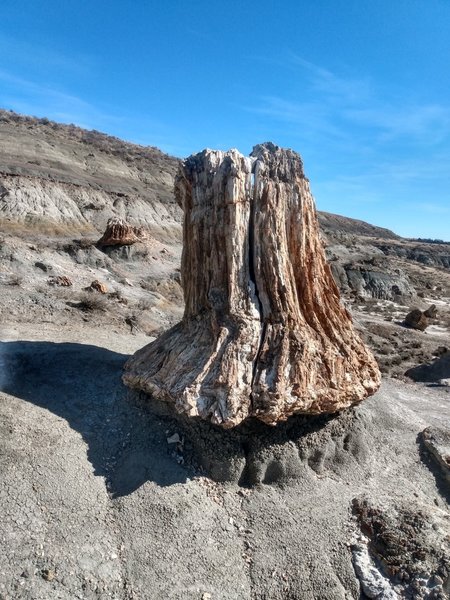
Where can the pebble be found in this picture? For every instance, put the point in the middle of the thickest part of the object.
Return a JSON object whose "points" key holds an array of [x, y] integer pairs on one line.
{"points": [[174, 439], [48, 575], [437, 580]]}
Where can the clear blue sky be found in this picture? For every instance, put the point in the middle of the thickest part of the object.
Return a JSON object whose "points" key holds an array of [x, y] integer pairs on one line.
{"points": [[360, 88]]}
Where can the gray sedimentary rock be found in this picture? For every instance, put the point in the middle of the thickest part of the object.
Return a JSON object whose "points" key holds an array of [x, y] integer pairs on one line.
{"points": [[436, 371], [437, 442], [264, 333], [367, 282]]}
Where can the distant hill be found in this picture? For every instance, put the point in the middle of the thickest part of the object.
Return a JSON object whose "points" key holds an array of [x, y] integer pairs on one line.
{"points": [[334, 223], [68, 175]]}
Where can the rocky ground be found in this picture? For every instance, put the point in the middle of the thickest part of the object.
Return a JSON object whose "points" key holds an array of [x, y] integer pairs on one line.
{"points": [[103, 495]]}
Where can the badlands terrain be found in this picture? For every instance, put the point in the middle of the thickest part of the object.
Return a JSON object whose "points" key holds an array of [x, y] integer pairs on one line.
{"points": [[104, 494]]}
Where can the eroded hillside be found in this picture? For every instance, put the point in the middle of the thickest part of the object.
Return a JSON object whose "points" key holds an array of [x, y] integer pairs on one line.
{"points": [[62, 178]]}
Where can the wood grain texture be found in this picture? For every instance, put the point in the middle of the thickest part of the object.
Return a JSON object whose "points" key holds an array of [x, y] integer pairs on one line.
{"points": [[264, 333]]}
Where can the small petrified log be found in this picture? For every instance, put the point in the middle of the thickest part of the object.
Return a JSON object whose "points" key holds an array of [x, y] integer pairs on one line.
{"points": [[264, 333], [416, 319], [60, 280], [431, 312], [118, 233], [97, 286]]}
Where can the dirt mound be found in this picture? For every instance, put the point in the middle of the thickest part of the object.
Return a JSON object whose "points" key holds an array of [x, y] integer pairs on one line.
{"points": [[255, 453]]}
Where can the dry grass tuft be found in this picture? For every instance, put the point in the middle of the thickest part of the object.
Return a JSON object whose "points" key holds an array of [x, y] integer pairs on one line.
{"points": [[39, 226], [92, 302], [14, 280]]}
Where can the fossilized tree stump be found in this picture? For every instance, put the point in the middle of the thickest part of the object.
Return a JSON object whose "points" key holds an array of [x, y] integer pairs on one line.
{"points": [[264, 333], [119, 233]]}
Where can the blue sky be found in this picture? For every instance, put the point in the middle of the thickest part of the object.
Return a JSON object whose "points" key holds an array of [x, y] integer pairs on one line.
{"points": [[360, 88]]}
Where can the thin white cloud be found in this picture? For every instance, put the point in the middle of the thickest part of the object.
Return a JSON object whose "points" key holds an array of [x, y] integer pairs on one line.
{"points": [[313, 117], [436, 166], [433, 208], [37, 56], [386, 181], [39, 100], [339, 108], [425, 123], [54, 96], [348, 89]]}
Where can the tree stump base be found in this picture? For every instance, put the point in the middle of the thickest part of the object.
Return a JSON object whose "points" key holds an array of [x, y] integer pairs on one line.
{"points": [[264, 333]]}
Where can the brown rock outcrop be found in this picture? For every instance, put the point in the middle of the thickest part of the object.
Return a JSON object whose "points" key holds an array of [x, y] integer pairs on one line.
{"points": [[416, 319], [264, 333], [118, 233]]}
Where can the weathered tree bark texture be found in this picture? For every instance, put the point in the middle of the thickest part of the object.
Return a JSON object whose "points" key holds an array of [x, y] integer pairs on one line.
{"points": [[264, 333]]}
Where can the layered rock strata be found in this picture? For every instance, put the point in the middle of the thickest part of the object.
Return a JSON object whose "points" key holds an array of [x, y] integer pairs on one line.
{"points": [[363, 281], [264, 333]]}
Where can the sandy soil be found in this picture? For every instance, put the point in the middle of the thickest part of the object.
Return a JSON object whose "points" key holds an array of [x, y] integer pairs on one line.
{"points": [[95, 504]]}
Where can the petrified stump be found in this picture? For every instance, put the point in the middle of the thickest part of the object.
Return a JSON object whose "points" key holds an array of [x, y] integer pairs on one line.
{"points": [[416, 319], [264, 333], [118, 233]]}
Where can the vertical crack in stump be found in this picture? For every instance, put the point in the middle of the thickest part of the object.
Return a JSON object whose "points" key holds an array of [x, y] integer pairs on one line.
{"points": [[264, 333], [253, 288]]}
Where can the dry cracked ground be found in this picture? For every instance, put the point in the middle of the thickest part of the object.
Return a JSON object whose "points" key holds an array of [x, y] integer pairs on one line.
{"points": [[105, 495]]}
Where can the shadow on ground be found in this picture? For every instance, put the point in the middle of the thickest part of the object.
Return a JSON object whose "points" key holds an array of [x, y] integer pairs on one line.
{"points": [[82, 384], [433, 372], [126, 433]]}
